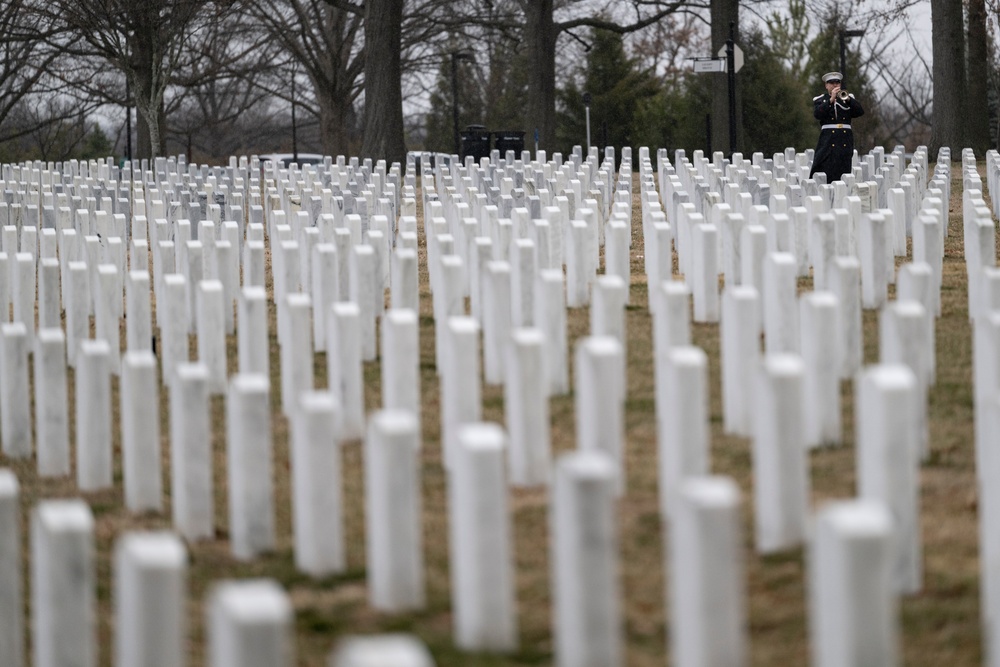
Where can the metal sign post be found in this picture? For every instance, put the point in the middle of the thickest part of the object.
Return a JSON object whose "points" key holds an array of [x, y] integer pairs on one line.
{"points": [[731, 72], [730, 61]]}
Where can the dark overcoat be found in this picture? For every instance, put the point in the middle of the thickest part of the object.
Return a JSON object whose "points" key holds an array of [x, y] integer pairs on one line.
{"points": [[835, 148]]}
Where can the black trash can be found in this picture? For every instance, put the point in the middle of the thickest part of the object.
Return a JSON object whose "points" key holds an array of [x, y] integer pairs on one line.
{"points": [[475, 142], [509, 140]]}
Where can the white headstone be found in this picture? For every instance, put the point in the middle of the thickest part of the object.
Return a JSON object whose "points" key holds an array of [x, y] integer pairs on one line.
{"points": [[461, 401], [344, 368], [249, 446], [317, 504], [173, 320], [852, 610], [599, 391], [401, 361], [249, 624], [681, 419], [93, 417], [394, 532], [586, 601], [903, 340], [889, 463], [11, 566], [496, 319], [210, 303], [705, 282], [706, 572], [819, 314], [191, 453], [389, 650], [780, 461], [364, 293], [15, 394], [550, 317], [527, 409], [781, 321], [63, 585], [739, 352], [845, 282], [140, 423], [150, 597], [252, 341], [482, 569]]}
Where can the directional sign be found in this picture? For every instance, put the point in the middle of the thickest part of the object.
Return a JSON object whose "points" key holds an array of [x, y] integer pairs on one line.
{"points": [[710, 65], [737, 57]]}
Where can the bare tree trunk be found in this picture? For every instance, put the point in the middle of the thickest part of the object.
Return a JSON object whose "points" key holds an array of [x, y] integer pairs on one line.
{"points": [[334, 114], [948, 46], [540, 39], [150, 115], [383, 72], [977, 110], [723, 13], [143, 147], [151, 137]]}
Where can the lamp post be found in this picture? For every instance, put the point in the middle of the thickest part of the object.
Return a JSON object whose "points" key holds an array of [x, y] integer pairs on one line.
{"points": [[128, 120], [844, 36], [586, 106], [731, 84], [295, 138], [455, 57]]}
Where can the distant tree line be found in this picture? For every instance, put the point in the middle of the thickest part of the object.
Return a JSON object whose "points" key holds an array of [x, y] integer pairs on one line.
{"points": [[211, 78]]}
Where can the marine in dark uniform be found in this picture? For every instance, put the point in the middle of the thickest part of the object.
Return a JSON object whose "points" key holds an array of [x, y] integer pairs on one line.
{"points": [[835, 148]]}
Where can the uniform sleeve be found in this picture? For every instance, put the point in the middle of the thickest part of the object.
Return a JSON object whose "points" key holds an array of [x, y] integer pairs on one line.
{"points": [[856, 108], [821, 107]]}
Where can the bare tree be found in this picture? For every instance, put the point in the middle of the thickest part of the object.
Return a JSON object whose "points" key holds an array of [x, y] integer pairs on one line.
{"points": [[25, 55], [146, 40], [217, 87], [324, 40], [383, 138], [903, 86], [977, 89], [948, 46]]}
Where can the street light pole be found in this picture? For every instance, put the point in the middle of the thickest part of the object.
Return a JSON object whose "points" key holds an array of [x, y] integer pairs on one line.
{"points": [[454, 99], [731, 79], [295, 138], [455, 57], [586, 106], [128, 120], [844, 35]]}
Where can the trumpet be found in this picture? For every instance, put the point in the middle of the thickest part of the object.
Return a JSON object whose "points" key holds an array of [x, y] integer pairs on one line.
{"points": [[843, 95]]}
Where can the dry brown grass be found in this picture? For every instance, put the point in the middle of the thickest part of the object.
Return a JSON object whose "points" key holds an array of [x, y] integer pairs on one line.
{"points": [[940, 626]]}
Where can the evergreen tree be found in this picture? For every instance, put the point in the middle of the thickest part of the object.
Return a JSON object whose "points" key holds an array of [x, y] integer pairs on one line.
{"points": [[789, 37], [775, 114], [677, 116], [618, 87]]}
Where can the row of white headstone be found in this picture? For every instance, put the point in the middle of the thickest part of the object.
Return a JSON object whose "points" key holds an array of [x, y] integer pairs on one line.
{"points": [[512, 271], [984, 313], [248, 622], [252, 620], [788, 398]]}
